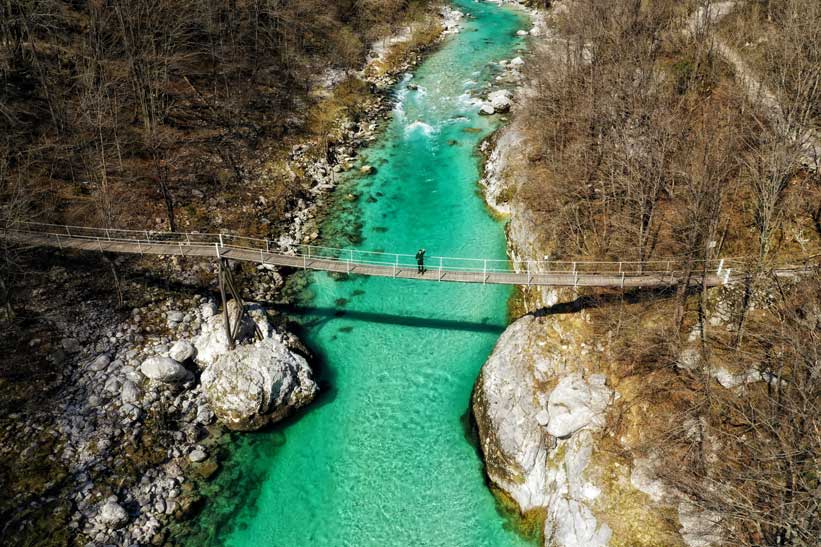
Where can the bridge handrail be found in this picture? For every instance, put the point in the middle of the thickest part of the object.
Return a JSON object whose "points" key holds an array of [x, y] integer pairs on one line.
{"points": [[353, 257]]}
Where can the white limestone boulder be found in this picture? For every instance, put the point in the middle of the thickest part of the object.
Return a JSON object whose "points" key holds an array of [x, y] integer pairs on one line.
{"points": [[500, 100], [257, 384], [112, 515], [513, 414], [212, 340], [182, 351], [506, 411], [165, 369], [487, 110]]}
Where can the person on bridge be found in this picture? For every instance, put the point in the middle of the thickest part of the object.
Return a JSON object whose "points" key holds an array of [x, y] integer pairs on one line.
{"points": [[420, 260]]}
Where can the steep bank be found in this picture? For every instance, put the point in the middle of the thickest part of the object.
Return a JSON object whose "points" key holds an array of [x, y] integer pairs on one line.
{"points": [[603, 416], [546, 395]]}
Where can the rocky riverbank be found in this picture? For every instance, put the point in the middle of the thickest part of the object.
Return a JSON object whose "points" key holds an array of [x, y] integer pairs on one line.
{"points": [[322, 165], [132, 426]]}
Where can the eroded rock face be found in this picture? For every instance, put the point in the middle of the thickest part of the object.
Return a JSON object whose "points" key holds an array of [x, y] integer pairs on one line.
{"points": [[505, 405], [516, 411], [257, 384], [576, 403]]}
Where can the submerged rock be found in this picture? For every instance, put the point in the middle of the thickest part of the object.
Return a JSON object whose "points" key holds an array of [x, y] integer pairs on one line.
{"points": [[197, 455], [258, 384]]}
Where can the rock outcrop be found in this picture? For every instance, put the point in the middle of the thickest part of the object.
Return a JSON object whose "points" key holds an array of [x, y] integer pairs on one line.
{"points": [[212, 341], [576, 403], [257, 384], [520, 419]]}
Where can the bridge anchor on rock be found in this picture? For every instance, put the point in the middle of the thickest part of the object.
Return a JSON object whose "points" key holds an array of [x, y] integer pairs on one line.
{"points": [[226, 281]]}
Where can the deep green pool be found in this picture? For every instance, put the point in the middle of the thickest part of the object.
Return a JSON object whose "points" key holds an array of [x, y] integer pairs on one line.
{"points": [[383, 457]]}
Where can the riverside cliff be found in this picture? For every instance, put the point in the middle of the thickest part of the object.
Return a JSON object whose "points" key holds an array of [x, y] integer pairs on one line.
{"points": [[575, 437]]}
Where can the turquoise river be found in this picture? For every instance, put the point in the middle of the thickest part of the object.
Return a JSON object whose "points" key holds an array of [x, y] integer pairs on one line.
{"points": [[384, 456]]}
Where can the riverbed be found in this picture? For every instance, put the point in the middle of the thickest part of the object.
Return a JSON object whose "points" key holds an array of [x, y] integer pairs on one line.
{"points": [[384, 457]]}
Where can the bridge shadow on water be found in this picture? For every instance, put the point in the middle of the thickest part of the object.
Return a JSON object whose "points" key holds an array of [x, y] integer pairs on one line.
{"points": [[310, 317], [315, 316]]}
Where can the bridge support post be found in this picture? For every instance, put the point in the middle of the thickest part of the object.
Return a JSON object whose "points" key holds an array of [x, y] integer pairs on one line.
{"points": [[226, 281], [440, 268], [622, 280], [527, 265], [225, 317], [396, 265], [59, 243]]}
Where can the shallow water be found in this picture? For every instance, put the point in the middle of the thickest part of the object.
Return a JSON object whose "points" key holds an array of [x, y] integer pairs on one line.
{"points": [[383, 457]]}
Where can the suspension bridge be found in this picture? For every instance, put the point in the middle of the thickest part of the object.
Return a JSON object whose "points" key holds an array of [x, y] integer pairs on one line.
{"points": [[551, 273]]}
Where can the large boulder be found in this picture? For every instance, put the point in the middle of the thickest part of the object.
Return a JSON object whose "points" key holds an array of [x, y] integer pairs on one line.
{"points": [[505, 405], [511, 404], [165, 369], [257, 384], [487, 110], [212, 341]]}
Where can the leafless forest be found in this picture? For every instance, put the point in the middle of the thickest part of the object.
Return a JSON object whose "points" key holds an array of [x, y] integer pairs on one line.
{"points": [[646, 141]]}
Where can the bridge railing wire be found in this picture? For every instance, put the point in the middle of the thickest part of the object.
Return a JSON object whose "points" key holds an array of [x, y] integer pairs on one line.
{"points": [[356, 257]]}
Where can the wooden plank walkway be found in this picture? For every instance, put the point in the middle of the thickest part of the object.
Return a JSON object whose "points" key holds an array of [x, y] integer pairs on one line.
{"points": [[348, 261]]}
